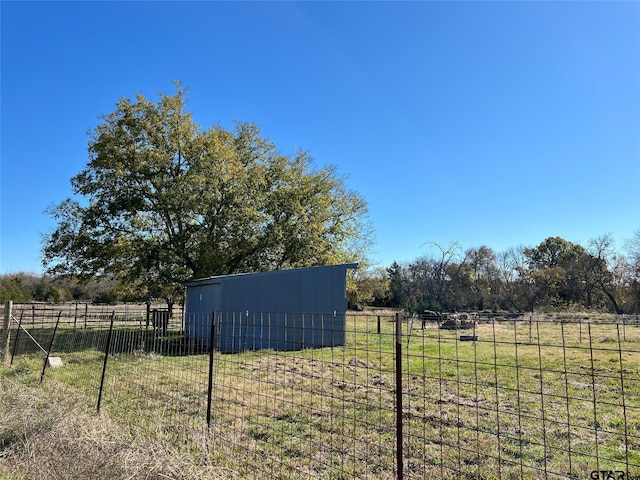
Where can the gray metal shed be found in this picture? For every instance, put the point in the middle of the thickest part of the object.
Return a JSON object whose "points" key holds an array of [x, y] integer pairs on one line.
{"points": [[283, 309]]}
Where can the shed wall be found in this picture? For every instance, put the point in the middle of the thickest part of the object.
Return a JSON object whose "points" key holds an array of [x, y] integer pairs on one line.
{"points": [[284, 310]]}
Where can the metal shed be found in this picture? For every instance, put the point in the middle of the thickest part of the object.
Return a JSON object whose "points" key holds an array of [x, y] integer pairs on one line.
{"points": [[283, 309]]}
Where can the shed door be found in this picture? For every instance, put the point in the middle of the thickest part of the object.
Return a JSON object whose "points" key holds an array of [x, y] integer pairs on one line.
{"points": [[201, 301], [205, 298]]}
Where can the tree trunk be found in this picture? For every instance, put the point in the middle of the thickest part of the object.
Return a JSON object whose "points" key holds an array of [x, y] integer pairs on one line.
{"points": [[616, 308]]}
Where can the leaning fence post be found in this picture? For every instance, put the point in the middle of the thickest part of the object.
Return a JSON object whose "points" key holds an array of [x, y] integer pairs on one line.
{"points": [[210, 387], [107, 348], [4, 346], [399, 452], [53, 337]]}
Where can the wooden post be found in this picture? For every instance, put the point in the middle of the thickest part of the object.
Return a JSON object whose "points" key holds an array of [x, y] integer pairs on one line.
{"points": [[4, 343]]}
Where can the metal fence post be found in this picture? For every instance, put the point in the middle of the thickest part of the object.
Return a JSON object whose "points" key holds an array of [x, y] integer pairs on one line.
{"points": [[107, 348], [333, 329], [210, 386], [15, 342], [399, 452], [246, 331], [53, 337]]}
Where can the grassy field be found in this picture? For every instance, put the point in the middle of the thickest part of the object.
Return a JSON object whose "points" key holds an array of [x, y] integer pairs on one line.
{"points": [[528, 399]]}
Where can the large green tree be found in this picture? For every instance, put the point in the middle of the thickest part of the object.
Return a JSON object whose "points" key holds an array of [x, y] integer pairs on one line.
{"points": [[558, 270], [162, 200]]}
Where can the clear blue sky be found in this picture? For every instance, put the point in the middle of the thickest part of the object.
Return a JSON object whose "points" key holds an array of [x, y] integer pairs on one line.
{"points": [[486, 123]]}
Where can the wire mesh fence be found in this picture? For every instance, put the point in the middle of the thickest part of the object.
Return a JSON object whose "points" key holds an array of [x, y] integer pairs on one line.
{"points": [[365, 396]]}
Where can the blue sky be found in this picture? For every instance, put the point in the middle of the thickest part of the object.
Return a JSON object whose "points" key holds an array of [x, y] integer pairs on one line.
{"points": [[485, 123]]}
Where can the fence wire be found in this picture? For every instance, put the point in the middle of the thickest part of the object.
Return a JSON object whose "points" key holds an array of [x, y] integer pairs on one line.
{"points": [[517, 397]]}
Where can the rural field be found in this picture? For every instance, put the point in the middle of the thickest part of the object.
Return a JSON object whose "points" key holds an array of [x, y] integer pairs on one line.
{"points": [[506, 397]]}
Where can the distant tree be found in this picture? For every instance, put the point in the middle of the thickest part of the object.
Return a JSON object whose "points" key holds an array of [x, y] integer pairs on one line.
{"points": [[442, 278], [423, 291], [438, 282], [597, 272], [14, 288], [558, 271], [369, 287], [454, 276], [28, 287], [628, 267], [632, 246], [398, 285], [518, 290], [481, 261], [163, 201]]}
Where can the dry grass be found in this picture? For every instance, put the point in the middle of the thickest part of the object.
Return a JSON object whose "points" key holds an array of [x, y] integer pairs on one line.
{"points": [[515, 404], [47, 432]]}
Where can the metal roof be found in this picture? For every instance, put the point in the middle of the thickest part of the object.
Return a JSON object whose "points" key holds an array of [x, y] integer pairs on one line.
{"points": [[217, 278]]}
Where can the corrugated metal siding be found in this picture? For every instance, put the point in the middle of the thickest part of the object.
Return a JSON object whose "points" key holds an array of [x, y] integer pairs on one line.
{"points": [[236, 331], [205, 298], [286, 309], [201, 300]]}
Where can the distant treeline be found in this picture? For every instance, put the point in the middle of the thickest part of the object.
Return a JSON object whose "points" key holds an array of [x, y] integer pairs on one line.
{"points": [[555, 275], [30, 287]]}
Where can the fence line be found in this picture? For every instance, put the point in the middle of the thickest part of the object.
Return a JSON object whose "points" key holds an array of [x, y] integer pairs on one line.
{"points": [[517, 397]]}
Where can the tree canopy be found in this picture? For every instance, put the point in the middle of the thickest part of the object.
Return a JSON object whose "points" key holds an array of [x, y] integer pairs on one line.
{"points": [[162, 200]]}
